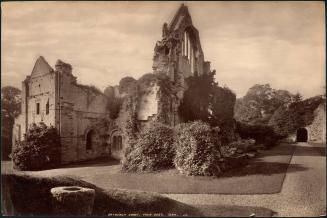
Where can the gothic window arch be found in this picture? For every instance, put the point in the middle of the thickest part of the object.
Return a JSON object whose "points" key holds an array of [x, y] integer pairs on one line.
{"points": [[189, 48]]}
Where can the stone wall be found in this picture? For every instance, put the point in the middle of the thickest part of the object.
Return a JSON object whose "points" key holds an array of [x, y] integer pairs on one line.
{"points": [[317, 130], [81, 110], [38, 99]]}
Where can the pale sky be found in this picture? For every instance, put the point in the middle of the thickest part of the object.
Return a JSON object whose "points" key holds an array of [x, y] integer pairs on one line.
{"points": [[281, 43]]}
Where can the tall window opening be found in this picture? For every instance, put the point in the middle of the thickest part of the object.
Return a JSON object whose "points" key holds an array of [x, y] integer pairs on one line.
{"points": [[120, 143], [47, 107], [37, 108]]}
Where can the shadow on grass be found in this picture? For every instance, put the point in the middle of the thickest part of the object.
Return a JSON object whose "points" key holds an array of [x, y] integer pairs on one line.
{"points": [[263, 168], [93, 163]]}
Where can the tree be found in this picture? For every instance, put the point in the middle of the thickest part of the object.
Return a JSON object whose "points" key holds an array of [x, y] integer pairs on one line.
{"points": [[197, 98], [11, 108], [298, 97]]}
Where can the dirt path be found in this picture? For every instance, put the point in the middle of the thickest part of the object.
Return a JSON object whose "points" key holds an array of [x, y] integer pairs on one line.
{"points": [[303, 192]]}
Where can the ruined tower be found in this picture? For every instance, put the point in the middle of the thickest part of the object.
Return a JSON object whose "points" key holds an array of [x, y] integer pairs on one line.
{"points": [[179, 53]]}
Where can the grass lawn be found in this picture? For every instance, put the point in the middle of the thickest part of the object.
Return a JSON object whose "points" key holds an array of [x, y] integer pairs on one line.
{"points": [[262, 175], [20, 190]]}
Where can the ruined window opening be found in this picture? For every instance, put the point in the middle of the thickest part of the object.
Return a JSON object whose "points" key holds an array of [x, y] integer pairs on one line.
{"points": [[114, 142], [37, 108], [90, 139], [166, 51], [120, 146], [19, 132], [47, 107]]}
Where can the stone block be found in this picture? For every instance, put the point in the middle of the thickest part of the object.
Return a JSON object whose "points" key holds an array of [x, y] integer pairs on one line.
{"points": [[72, 200]]}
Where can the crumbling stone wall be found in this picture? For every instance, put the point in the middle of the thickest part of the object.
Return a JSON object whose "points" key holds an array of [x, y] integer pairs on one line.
{"points": [[38, 99], [317, 129], [177, 55], [55, 98], [82, 109]]}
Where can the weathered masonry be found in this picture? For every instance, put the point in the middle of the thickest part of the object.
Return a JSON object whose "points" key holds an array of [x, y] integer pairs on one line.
{"points": [[54, 97], [179, 53], [80, 113]]}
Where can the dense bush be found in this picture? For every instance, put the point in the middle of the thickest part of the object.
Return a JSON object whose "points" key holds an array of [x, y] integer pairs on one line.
{"points": [[126, 83], [152, 150], [197, 149], [205, 100], [262, 134], [39, 150], [114, 105], [237, 147], [197, 98]]}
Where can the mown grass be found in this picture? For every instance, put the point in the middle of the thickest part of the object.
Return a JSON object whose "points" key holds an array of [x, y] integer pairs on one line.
{"points": [[24, 194], [29, 195]]}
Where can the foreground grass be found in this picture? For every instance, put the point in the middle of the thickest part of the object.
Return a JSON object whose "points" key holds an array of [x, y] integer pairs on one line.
{"points": [[262, 175], [28, 195]]}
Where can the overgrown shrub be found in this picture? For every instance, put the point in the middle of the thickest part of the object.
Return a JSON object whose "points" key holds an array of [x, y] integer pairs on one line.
{"points": [[262, 134], [39, 150], [197, 149], [126, 83], [152, 150], [237, 147], [114, 105]]}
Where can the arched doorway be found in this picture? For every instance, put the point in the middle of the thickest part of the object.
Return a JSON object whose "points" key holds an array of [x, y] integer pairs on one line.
{"points": [[301, 135], [90, 140], [116, 145]]}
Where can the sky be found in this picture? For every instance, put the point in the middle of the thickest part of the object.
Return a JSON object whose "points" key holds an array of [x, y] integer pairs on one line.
{"points": [[247, 43]]}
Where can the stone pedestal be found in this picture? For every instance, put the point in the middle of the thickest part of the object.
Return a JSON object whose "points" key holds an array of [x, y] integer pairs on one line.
{"points": [[72, 200]]}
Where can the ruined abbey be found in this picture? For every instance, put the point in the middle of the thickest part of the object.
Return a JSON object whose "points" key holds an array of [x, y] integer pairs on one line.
{"points": [[80, 113]]}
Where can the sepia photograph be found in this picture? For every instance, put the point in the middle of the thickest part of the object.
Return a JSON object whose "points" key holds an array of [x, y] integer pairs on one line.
{"points": [[163, 108]]}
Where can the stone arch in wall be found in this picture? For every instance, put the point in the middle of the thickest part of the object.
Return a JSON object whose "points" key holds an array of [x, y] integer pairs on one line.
{"points": [[302, 135], [116, 142], [91, 139]]}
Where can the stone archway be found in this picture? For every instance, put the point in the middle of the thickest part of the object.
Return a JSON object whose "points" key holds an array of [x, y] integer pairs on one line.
{"points": [[302, 135], [90, 140], [116, 144]]}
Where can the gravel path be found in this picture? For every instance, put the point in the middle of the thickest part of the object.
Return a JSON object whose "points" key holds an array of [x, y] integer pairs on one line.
{"points": [[303, 192]]}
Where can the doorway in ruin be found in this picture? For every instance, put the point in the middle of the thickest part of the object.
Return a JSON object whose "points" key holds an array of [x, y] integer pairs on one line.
{"points": [[301, 135], [90, 140], [116, 145]]}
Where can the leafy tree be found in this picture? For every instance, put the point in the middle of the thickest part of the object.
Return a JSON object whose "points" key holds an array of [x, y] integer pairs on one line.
{"points": [[125, 83], [198, 97], [260, 103], [10, 109], [298, 97], [205, 100]]}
